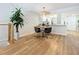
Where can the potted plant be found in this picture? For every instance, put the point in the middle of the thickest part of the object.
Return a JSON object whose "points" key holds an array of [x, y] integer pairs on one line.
{"points": [[17, 20]]}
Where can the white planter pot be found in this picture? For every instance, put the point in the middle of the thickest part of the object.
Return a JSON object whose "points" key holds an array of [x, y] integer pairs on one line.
{"points": [[17, 35]]}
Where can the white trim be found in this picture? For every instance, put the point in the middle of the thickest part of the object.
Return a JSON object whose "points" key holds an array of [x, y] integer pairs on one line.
{"points": [[52, 33], [4, 43], [59, 33], [26, 34]]}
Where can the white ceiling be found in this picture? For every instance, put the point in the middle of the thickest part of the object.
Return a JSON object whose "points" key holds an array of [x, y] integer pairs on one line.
{"points": [[49, 6], [37, 7], [52, 7], [55, 6]]}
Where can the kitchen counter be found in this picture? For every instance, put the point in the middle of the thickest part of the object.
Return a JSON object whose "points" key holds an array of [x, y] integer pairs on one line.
{"points": [[59, 29]]}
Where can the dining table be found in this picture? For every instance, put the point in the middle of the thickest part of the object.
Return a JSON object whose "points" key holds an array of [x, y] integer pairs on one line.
{"points": [[42, 29]]}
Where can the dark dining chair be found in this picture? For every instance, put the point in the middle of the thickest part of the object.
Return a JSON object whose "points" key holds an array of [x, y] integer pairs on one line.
{"points": [[48, 30], [37, 30]]}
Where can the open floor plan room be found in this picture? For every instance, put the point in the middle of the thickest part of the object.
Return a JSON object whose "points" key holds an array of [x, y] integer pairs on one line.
{"points": [[39, 29]]}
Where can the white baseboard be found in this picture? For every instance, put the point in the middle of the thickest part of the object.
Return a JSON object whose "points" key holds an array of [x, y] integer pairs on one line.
{"points": [[4, 43], [59, 33], [52, 33], [26, 34]]}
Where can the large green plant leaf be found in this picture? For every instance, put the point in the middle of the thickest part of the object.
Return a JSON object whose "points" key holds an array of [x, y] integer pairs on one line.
{"points": [[17, 19]]}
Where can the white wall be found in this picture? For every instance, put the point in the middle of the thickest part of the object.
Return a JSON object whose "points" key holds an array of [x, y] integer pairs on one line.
{"points": [[30, 20]]}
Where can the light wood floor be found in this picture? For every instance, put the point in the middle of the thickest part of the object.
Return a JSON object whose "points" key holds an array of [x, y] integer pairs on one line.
{"points": [[51, 45]]}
